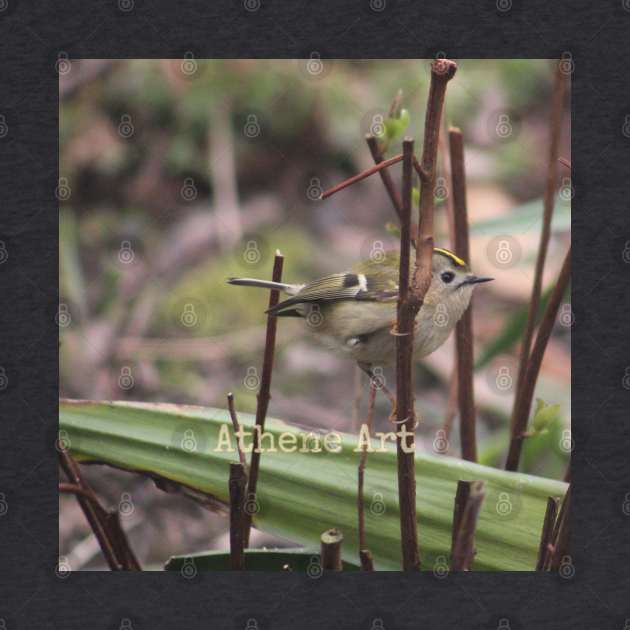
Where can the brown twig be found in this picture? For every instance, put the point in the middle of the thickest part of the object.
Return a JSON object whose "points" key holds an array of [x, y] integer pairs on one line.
{"points": [[559, 547], [264, 393], [361, 470], [71, 488], [463, 330], [405, 414], [362, 175], [547, 530], [113, 541], [367, 563], [386, 176], [331, 541], [237, 516], [523, 402], [459, 505], [545, 234], [451, 405], [236, 427], [464, 547], [356, 402], [410, 301]]}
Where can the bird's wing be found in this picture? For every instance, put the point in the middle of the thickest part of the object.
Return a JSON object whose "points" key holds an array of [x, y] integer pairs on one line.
{"points": [[341, 286]]}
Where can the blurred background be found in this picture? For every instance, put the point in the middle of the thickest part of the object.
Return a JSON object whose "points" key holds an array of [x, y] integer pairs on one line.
{"points": [[176, 174]]}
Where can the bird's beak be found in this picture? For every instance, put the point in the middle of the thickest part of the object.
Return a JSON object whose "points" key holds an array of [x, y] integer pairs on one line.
{"points": [[477, 279]]}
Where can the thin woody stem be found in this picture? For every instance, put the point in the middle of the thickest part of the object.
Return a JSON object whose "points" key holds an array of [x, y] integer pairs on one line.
{"points": [[405, 416], [264, 395], [545, 234], [361, 470], [410, 301], [463, 329], [523, 402], [236, 428], [464, 546], [109, 534], [357, 178]]}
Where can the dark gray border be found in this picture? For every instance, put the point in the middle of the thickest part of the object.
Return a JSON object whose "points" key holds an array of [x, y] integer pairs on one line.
{"points": [[595, 35]]}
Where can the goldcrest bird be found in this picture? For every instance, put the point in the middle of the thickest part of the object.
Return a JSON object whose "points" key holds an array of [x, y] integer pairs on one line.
{"points": [[354, 312]]}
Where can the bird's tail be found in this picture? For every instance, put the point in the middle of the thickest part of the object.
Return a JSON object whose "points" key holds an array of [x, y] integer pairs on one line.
{"points": [[290, 289]]}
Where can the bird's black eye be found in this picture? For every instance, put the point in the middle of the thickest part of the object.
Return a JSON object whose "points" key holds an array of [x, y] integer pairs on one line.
{"points": [[447, 276]]}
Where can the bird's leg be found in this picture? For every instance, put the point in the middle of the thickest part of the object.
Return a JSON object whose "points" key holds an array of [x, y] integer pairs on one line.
{"points": [[379, 383]]}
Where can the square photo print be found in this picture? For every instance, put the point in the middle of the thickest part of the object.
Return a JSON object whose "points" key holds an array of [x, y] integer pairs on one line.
{"points": [[314, 315]]}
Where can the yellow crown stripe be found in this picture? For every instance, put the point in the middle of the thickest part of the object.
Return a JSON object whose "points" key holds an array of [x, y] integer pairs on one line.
{"points": [[456, 259]]}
